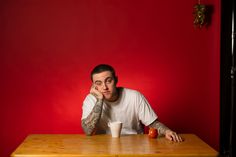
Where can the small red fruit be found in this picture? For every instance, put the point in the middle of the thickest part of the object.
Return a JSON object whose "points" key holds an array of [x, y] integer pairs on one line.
{"points": [[152, 133]]}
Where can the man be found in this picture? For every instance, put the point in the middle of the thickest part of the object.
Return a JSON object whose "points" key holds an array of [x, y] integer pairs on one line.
{"points": [[107, 102]]}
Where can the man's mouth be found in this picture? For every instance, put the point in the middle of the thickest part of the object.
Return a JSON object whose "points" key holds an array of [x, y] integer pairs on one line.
{"points": [[106, 92]]}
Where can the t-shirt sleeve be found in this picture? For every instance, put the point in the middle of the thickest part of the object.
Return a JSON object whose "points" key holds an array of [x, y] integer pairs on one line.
{"points": [[145, 112], [88, 104]]}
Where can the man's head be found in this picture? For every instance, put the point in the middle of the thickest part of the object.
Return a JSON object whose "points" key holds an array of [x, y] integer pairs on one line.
{"points": [[104, 79]]}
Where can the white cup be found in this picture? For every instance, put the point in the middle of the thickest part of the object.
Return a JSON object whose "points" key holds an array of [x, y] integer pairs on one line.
{"points": [[115, 128]]}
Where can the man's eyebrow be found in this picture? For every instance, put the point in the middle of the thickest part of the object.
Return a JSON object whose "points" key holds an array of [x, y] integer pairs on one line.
{"points": [[99, 81], [108, 78]]}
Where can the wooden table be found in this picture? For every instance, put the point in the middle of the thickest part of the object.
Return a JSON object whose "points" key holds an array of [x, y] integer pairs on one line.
{"points": [[74, 145]]}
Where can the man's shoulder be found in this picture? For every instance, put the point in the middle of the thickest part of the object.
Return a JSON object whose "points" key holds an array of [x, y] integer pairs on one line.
{"points": [[130, 91]]}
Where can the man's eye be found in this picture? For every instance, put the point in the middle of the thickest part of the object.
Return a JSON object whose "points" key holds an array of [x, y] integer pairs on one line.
{"points": [[109, 81], [98, 83]]}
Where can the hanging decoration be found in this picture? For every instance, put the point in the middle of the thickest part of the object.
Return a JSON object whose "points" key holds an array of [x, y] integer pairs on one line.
{"points": [[199, 15]]}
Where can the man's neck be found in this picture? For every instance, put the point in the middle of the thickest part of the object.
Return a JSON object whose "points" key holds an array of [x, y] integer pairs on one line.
{"points": [[115, 96]]}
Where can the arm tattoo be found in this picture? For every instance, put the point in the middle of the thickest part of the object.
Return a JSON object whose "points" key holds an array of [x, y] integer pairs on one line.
{"points": [[89, 123], [161, 128]]}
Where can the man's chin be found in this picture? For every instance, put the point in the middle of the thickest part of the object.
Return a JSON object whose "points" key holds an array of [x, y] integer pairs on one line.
{"points": [[108, 98]]}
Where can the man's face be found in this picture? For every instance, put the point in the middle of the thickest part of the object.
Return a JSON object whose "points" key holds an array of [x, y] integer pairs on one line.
{"points": [[105, 83]]}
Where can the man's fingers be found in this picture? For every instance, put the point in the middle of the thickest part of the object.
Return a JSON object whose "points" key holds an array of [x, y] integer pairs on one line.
{"points": [[179, 138], [95, 92], [176, 137], [173, 136]]}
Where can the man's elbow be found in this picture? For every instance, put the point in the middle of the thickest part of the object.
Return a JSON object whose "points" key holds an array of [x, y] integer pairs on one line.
{"points": [[88, 134], [88, 131]]}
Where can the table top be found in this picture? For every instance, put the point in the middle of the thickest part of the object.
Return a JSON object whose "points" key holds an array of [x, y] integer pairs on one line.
{"points": [[76, 145]]}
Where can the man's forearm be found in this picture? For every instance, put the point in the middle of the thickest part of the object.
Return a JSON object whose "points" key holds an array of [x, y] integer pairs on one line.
{"points": [[89, 123], [161, 128]]}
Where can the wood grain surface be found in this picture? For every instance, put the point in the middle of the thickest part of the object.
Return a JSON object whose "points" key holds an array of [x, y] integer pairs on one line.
{"points": [[75, 145]]}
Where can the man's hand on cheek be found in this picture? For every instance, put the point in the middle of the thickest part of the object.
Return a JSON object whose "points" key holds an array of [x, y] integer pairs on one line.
{"points": [[94, 91]]}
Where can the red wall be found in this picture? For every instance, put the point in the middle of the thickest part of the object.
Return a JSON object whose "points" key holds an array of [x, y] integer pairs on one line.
{"points": [[48, 49]]}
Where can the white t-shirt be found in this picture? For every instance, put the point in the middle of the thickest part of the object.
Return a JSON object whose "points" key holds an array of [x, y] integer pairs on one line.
{"points": [[132, 109]]}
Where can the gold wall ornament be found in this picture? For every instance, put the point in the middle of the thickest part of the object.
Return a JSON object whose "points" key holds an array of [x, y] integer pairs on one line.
{"points": [[199, 15]]}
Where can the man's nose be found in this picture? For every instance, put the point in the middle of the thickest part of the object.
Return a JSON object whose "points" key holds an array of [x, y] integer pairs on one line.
{"points": [[104, 86]]}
